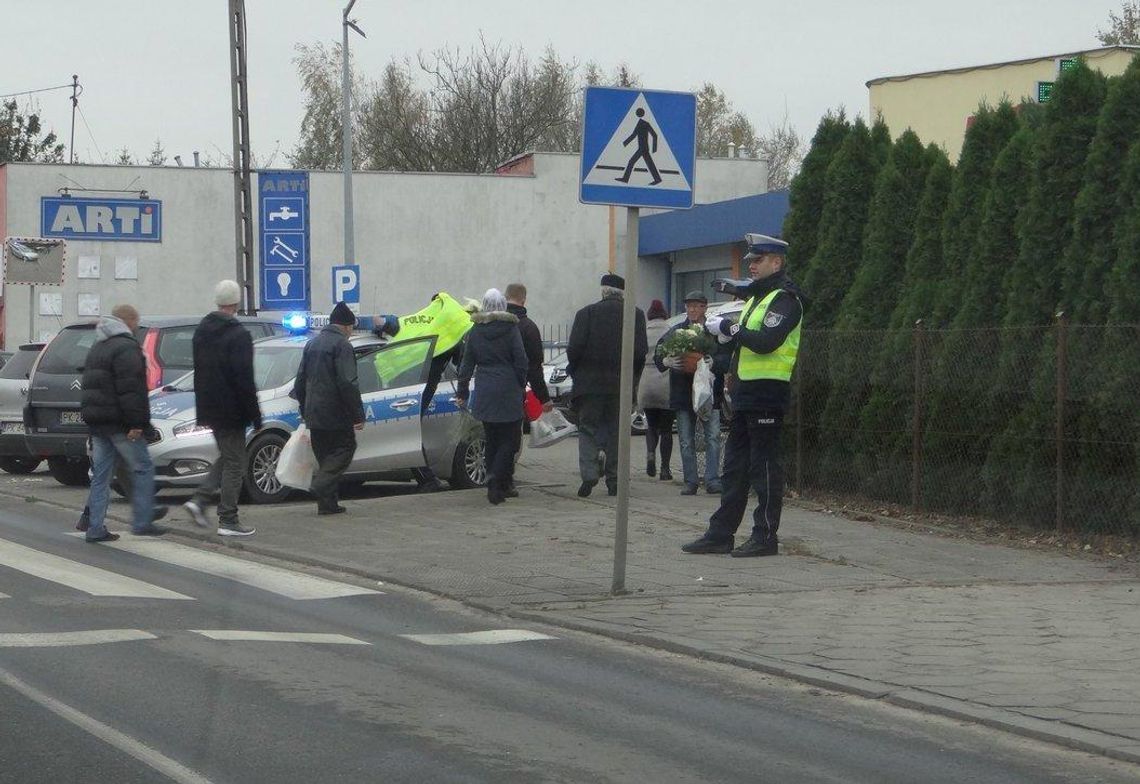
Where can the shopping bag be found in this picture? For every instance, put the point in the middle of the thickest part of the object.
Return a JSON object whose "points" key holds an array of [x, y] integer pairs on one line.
{"points": [[531, 407], [296, 463], [703, 390], [550, 428]]}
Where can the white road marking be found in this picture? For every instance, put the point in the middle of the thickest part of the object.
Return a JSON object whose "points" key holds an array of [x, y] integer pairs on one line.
{"points": [[294, 585], [252, 636], [491, 637], [88, 579], [125, 743], [64, 639], [4, 596]]}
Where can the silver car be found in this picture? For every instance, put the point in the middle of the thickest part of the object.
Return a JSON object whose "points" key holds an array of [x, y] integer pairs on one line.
{"points": [[14, 455], [396, 438]]}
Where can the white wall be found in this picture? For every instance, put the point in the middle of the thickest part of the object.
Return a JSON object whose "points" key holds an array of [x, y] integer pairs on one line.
{"points": [[416, 234]]}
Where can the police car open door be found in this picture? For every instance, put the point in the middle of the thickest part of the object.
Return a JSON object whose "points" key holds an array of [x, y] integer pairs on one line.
{"points": [[391, 385]]}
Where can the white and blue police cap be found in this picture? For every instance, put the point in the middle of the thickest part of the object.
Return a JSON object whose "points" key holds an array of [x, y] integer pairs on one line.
{"points": [[763, 245]]}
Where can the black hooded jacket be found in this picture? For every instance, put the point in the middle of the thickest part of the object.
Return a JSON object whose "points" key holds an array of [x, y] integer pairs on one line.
{"points": [[789, 305], [532, 342], [114, 396], [224, 390]]}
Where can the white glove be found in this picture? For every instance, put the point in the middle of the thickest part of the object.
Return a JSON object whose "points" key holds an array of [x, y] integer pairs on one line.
{"points": [[713, 324], [673, 363]]}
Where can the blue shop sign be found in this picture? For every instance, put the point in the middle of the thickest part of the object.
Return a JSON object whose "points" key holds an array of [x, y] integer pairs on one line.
{"points": [[116, 220]]}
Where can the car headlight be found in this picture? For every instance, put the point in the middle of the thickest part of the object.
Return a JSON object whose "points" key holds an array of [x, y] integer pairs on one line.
{"points": [[191, 429]]}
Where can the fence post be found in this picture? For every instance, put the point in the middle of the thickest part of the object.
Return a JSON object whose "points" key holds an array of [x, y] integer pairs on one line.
{"points": [[1059, 405], [799, 385], [916, 421]]}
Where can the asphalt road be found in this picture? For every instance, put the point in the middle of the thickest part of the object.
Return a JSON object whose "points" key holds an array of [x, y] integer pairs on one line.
{"points": [[172, 699]]}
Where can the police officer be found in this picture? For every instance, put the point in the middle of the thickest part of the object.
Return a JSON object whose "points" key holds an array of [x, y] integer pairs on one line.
{"points": [[764, 343]]}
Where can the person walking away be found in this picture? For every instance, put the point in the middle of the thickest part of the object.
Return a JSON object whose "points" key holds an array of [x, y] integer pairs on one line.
{"points": [[532, 343], [681, 400], [116, 408], [653, 397], [497, 360], [328, 391], [593, 356], [225, 398], [765, 344]]}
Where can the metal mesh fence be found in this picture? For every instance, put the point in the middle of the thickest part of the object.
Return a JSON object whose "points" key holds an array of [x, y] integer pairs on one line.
{"points": [[1036, 425]]}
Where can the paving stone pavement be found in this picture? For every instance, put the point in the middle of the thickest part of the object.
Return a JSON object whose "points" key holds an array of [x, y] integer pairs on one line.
{"points": [[1039, 642]]}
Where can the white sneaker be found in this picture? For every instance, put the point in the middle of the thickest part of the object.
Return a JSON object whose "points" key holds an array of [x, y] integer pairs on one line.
{"points": [[197, 514]]}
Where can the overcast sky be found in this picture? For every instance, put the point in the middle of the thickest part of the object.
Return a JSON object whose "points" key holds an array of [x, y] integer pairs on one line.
{"points": [[160, 69]]}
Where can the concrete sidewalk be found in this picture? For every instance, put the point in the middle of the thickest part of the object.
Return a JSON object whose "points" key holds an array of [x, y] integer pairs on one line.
{"points": [[1038, 643]]}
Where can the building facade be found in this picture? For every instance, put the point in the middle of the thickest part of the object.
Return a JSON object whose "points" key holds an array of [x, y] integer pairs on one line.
{"points": [[416, 234], [938, 105]]}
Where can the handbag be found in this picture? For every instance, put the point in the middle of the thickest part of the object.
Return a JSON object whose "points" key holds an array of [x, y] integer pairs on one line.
{"points": [[296, 463], [531, 407]]}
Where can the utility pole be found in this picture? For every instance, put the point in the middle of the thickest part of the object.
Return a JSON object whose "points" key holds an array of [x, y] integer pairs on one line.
{"points": [[74, 106], [346, 135], [243, 200]]}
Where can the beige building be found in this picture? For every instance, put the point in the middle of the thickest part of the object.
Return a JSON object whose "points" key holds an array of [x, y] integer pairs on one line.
{"points": [[938, 105]]}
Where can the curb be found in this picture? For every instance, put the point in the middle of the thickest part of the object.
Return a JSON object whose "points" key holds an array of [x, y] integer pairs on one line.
{"points": [[1057, 733]]}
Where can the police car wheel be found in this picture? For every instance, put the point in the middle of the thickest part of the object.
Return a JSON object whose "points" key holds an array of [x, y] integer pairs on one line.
{"points": [[261, 483], [469, 466], [19, 465], [69, 471]]}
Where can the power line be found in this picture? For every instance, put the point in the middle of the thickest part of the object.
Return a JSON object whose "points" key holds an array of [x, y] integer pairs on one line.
{"points": [[32, 92], [102, 157]]}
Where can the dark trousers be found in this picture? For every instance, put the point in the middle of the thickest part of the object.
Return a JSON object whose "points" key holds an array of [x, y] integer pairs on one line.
{"points": [[226, 475], [659, 430], [597, 429], [751, 462], [502, 441], [334, 450]]}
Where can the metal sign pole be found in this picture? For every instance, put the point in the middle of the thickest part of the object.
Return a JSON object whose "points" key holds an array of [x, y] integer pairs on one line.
{"points": [[625, 404], [32, 313]]}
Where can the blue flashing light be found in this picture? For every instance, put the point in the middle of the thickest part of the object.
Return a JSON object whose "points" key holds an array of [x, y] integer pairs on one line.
{"points": [[295, 322]]}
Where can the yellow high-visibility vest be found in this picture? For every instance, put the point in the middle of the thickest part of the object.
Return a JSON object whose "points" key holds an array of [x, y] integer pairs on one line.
{"points": [[444, 318], [777, 365]]}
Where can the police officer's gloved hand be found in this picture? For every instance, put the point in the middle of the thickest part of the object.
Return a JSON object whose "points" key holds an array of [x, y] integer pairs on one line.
{"points": [[386, 325], [723, 328]]}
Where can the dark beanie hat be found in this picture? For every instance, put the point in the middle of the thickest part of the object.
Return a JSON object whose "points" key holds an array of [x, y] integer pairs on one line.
{"points": [[342, 315], [613, 281]]}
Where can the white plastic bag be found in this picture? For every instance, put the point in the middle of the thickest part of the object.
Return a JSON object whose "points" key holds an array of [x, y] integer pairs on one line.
{"points": [[703, 389], [296, 463], [550, 428]]}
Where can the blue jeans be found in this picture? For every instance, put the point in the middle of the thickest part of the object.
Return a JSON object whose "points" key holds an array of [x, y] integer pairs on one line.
{"points": [[137, 458], [686, 434]]}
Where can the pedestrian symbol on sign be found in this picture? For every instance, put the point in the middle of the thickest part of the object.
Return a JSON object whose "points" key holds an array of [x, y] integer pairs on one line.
{"points": [[652, 163]]}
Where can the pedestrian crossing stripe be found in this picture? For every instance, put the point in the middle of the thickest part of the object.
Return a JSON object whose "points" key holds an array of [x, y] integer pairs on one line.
{"points": [[489, 637], [633, 154], [238, 635], [69, 639], [79, 576]]}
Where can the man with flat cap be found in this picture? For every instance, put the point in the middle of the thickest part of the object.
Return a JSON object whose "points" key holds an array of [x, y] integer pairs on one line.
{"points": [[764, 345], [593, 356], [328, 391]]}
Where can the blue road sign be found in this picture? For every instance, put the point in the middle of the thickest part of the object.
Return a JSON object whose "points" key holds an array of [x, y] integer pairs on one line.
{"points": [[283, 199], [122, 220], [346, 284], [639, 148]]}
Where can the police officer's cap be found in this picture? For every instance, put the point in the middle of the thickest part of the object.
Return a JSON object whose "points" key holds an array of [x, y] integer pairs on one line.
{"points": [[696, 296], [763, 245]]}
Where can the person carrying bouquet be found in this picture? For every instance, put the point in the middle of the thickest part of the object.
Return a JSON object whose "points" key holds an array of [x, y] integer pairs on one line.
{"points": [[679, 351]]}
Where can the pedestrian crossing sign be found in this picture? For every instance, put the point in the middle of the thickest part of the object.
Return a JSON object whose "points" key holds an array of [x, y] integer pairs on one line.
{"points": [[638, 148]]}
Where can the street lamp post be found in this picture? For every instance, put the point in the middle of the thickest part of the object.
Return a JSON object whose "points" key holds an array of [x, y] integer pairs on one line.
{"points": [[346, 136]]}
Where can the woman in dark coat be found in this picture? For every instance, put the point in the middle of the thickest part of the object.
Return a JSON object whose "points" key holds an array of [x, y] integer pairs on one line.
{"points": [[495, 356]]}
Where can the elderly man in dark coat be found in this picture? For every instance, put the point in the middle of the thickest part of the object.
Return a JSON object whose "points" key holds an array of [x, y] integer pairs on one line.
{"points": [[496, 358], [594, 362]]}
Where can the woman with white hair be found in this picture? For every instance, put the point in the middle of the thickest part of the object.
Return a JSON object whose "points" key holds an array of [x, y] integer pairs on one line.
{"points": [[496, 358]]}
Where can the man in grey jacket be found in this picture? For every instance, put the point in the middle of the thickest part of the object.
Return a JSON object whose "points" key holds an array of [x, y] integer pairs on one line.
{"points": [[328, 392]]}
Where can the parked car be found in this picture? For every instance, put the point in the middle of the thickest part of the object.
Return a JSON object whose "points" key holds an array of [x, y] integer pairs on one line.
{"points": [[394, 441], [54, 429], [14, 455], [4, 357]]}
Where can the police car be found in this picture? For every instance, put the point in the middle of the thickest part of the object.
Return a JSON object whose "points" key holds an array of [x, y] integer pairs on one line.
{"points": [[396, 439]]}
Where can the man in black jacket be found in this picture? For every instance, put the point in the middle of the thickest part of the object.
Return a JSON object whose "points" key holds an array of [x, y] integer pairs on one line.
{"points": [[116, 408], [328, 391], [532, 344], [594, 363], [225, 397]]}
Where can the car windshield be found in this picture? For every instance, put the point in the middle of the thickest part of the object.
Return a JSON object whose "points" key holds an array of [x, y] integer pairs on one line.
{"points": [[20, 363], [68, 351], [273, 366]]}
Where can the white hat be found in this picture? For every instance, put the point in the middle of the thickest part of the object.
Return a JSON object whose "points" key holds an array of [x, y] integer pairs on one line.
{"points": [[227, 292]]}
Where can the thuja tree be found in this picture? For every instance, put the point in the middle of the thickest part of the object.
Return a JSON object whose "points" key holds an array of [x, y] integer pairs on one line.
{"points": [[868, 303], [991, 130], [1018, 475], [801, 226], [885, 470], [965, 406]]}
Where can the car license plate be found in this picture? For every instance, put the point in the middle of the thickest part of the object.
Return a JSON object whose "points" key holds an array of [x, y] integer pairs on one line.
{"points": [[16, 428], [70, 418]]}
